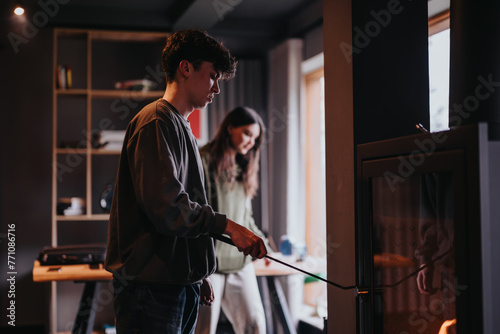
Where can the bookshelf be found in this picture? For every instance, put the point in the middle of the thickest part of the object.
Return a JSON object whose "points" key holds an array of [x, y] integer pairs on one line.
{"points": [[98, 60]]}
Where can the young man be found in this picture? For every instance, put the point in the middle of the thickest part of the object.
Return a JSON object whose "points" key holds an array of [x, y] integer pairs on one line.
{"points": [[159, 248]]}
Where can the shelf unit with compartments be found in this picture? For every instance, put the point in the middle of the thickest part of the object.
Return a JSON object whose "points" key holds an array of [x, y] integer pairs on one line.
{"points": [[87, 65]]}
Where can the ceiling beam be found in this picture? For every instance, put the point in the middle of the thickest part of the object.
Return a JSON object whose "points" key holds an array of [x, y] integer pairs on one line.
{"points": [[204, 14]]}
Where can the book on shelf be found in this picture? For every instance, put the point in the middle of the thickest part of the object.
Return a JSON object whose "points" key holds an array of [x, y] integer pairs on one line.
{"points": [[143, 85], [64, 77], [111, 140]]}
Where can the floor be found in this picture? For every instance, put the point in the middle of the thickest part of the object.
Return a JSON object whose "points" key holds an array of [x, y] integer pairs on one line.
{"points": [[225, 329], [224, 326]]}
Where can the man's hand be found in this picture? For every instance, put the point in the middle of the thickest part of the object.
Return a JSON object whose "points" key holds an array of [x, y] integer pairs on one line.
{"points": [[424, 280], [245, 240], [206, 293]]}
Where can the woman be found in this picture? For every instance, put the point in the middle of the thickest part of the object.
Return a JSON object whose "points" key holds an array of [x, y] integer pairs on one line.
{"points": [[231, 164]]}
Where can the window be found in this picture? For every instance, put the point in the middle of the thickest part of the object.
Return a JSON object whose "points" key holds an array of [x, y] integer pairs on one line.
{"points": [[439, 71], [315, 163], [315, 207]]}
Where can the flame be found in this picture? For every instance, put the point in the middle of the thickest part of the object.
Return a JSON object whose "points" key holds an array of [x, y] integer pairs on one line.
{"points": [[445, 325]]}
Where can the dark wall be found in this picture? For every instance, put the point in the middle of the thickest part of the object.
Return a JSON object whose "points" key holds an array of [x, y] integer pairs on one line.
{"points": [[390, 68], [313, 42], [25, 168], [474, 64]]}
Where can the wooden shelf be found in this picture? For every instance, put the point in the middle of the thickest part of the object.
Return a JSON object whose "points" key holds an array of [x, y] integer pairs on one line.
{"points": [[84, 151], [116, 93], [81, 151], [111, 93], [92, 217], [128, 36], [71, 91], [106, 152], [73, 33]]}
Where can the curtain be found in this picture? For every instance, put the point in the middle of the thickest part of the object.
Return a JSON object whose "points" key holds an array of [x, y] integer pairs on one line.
{"points": [[284, 142], [286, 165]]}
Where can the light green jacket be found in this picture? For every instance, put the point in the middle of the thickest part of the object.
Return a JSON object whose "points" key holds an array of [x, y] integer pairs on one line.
{"points": [[230, 199]]}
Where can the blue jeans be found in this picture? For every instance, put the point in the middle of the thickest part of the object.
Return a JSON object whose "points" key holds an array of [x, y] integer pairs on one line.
{"points": [[151, 309]]}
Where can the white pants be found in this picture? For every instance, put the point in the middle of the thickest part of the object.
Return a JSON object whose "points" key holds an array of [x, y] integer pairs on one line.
{"points": [[239, 297]]}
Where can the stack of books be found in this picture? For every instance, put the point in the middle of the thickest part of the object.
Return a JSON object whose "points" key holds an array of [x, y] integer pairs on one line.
{"points": [[143, 85], [112, 140], [63, 77]]}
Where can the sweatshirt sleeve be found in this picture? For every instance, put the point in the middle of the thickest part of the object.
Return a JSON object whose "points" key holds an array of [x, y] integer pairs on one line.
{"points": [[156, 157]]}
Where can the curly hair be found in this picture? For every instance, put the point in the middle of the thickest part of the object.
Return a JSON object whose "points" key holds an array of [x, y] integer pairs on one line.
{"points": [[196, 46], [222, 162]]}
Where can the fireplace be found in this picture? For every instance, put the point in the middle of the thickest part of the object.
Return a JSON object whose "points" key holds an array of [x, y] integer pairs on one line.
{"points": [[418, 236]]}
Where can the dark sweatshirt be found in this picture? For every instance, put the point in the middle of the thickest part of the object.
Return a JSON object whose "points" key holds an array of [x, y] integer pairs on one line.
{"points": [[160, 220]]}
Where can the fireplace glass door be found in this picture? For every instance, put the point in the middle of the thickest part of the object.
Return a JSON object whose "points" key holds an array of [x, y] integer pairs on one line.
{"points": [[409, 252]]}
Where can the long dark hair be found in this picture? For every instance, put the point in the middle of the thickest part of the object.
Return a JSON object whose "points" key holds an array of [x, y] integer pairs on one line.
{"points": [[222, 163]]}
